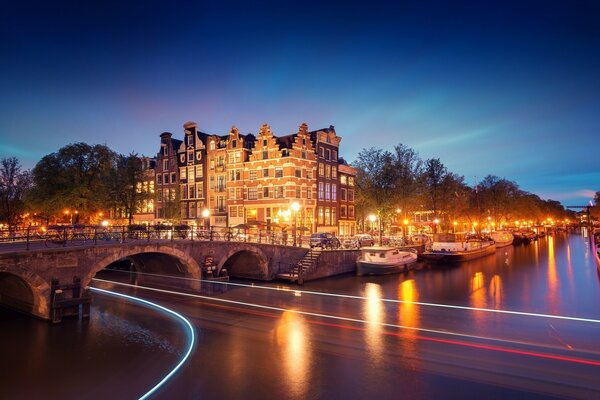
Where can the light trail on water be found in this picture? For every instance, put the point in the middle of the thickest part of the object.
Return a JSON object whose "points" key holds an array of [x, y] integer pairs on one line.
{"points": [[186, 322], [385, 300], [383, 324]]}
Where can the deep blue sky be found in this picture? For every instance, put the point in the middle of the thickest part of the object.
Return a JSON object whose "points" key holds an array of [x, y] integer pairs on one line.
{"points": [[508, 88]]}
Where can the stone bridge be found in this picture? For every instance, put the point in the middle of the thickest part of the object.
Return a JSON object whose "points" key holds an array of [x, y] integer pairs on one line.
{"points": [[27, 276]]}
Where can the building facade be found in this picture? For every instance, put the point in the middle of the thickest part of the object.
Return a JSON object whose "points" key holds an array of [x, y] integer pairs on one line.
{"points": [[272, 182]]}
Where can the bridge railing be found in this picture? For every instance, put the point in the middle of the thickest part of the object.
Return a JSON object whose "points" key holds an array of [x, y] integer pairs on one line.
{"points": [[56, 236]]}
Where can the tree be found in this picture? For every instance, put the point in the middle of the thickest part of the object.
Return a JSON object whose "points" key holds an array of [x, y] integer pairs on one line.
{"points": [[409, 167], [433, 177], [497, 197], [76, 177], [376, 184], [14, 183], [126, 185]]}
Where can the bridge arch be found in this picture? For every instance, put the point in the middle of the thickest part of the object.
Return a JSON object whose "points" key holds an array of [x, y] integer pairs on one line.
{"points": [[26, 292], [150, 256], [246, 262]]}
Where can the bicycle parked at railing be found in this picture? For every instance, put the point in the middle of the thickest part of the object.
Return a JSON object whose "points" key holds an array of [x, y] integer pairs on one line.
{"points": [[60, 236]]}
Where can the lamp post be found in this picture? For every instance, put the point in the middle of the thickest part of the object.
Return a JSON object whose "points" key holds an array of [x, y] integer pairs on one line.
{"points": [[205, 216], [372, 219], [295, 209]]}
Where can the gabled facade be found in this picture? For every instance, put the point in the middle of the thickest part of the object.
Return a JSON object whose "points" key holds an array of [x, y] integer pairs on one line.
{"points": [[327, 143], [167, 178], [192, 170], [255, 180]]}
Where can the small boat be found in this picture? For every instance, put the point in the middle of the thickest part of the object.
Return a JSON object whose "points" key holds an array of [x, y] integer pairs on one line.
{"points": [[449, 247], [502, 239], [384, 260]]}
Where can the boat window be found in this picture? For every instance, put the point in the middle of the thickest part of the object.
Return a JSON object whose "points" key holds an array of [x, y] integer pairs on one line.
{"points": [[395, 252], [381, 255]]}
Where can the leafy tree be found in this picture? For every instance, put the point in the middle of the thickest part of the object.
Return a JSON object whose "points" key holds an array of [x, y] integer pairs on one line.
{"points": [[126, 185], [76, 177], [497, 197], [409, 167], [14, 183], [434, 178], [376, 184]]}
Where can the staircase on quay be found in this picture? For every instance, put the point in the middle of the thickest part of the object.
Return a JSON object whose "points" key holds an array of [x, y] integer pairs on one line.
{"points": [[298, 271]]}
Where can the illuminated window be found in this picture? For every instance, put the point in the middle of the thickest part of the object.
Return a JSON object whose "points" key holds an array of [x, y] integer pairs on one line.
{"points": [[252, 194]]}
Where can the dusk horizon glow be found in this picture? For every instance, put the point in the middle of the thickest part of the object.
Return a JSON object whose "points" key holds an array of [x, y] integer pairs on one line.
{"points": [[507, 89]]}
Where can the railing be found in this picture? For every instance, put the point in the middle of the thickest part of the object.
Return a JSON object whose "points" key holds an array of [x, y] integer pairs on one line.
{"points": [[57, 236]]}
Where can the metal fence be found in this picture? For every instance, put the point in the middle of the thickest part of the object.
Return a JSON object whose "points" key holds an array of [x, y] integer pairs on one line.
{"points": [[55, 236]]}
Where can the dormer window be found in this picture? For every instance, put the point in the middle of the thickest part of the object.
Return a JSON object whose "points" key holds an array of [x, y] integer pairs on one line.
{"points": [[264, 142], [190, 140], [212, 144], [234, 143]]}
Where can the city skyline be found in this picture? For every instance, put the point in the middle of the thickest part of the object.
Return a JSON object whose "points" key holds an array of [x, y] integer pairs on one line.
{"points": [[507, 89]]}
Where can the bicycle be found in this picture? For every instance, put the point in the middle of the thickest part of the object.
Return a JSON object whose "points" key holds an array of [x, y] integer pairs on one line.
{"points": [[55, 240], [78, 239]]}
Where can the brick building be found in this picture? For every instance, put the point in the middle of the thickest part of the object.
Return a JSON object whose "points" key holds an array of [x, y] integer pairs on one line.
{"points": [[254, 180]]}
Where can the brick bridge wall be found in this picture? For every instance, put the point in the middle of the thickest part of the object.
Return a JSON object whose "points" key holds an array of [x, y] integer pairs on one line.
{"points": [[36, 268]]}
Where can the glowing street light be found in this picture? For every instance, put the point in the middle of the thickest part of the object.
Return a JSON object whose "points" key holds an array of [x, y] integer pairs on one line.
{"points": [[205, 215], [372, 218], [295, 208]]}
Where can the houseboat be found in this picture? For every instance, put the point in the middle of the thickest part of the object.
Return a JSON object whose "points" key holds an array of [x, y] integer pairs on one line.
{"points": [[449, 247], [502, 238], [384, 260]]}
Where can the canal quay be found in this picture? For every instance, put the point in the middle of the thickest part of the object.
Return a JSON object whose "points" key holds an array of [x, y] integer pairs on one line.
{"points": [[523, 323]]}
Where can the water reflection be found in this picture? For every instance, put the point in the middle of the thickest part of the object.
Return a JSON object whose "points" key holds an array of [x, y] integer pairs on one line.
{"points": [[496, 292], [552, 277], [478, 290], [408, 315], [374, 312], [292, 337], [408, 312]]}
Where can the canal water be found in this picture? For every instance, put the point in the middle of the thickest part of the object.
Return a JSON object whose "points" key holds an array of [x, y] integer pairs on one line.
{"points": [[384, 337]]}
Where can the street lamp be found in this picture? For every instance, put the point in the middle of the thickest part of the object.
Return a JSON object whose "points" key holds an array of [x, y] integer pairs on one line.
{"points": [[205, 215], [295, 208], [372, 218]]}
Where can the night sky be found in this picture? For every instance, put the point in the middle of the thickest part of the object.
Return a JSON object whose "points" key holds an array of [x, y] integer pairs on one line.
{"points": [[510, 89]]}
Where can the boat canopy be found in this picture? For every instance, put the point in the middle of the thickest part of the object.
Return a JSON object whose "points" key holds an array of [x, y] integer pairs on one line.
{"points": [[449, 237]]}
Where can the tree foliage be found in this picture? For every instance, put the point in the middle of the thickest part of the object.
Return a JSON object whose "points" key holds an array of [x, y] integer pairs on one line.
{"points": [[14, 183], [125, 186], [388, 181], [74, 178]]}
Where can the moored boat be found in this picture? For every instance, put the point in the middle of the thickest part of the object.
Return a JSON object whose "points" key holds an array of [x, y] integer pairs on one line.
{"points": [[384, 260], [449, 247], [502, 238]]}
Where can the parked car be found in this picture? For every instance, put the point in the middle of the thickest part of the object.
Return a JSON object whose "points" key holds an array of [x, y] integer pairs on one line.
{"points": [[324, 240], [360, 240]]}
